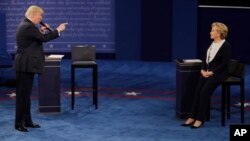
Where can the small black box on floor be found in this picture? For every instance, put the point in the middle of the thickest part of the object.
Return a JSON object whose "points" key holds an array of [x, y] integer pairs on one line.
{"points": [[240, 132]]}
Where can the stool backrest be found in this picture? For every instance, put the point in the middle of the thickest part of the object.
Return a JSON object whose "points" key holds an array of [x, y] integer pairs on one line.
{"points": [[83, 53], [237, 69]]}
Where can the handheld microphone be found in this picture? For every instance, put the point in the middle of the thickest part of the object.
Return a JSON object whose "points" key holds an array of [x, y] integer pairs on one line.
{"points": [[43, 24]]}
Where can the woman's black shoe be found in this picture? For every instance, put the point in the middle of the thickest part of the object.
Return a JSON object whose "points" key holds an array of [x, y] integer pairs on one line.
{"points": [[21, 128], [196, 127], [184, 124]]}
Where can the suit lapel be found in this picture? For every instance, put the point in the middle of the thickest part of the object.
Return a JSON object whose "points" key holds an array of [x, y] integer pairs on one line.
{"points": [[219, 52]]}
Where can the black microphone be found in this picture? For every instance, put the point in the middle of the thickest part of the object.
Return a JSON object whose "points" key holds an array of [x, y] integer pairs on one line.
{"points": [[43, 24]]}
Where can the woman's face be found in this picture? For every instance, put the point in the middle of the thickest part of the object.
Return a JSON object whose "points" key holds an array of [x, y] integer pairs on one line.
{"points": [[214, 33]]}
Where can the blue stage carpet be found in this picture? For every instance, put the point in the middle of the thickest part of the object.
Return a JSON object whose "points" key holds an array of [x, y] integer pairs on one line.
{"points": [[147, 116]]}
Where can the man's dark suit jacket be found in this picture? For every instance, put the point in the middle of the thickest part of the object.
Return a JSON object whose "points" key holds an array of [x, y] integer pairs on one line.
{"points": [[219, 65], [30, 54]]}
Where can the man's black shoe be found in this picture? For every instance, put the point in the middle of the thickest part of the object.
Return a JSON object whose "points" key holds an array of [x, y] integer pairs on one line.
{"points": [[21, 128], [32, 125]]}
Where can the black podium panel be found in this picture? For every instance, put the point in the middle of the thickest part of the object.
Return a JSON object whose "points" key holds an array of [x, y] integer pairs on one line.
{"points": [[187, 75], [49, 87]]}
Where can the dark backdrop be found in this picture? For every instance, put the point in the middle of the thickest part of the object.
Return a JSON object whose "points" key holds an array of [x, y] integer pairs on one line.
{"points": [[2, 33], [156, 30], [141, 29], [128, 29], [244, 3]]}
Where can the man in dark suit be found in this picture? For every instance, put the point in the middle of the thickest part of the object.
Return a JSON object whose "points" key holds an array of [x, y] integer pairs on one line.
{"points": [[214, 70], [29, 60]]}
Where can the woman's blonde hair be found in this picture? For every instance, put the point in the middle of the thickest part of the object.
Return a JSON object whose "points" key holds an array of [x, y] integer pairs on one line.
{"points": [[221, 28], [33, 9]]}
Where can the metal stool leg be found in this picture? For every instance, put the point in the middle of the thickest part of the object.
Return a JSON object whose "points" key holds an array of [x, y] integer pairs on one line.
{"points": [[72, 87], [228, 103], [242, 101], [223, 96], [95, 87]]}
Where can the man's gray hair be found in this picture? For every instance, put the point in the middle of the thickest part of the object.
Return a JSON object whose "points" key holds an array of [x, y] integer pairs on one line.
{"points": [[33, 9]]}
